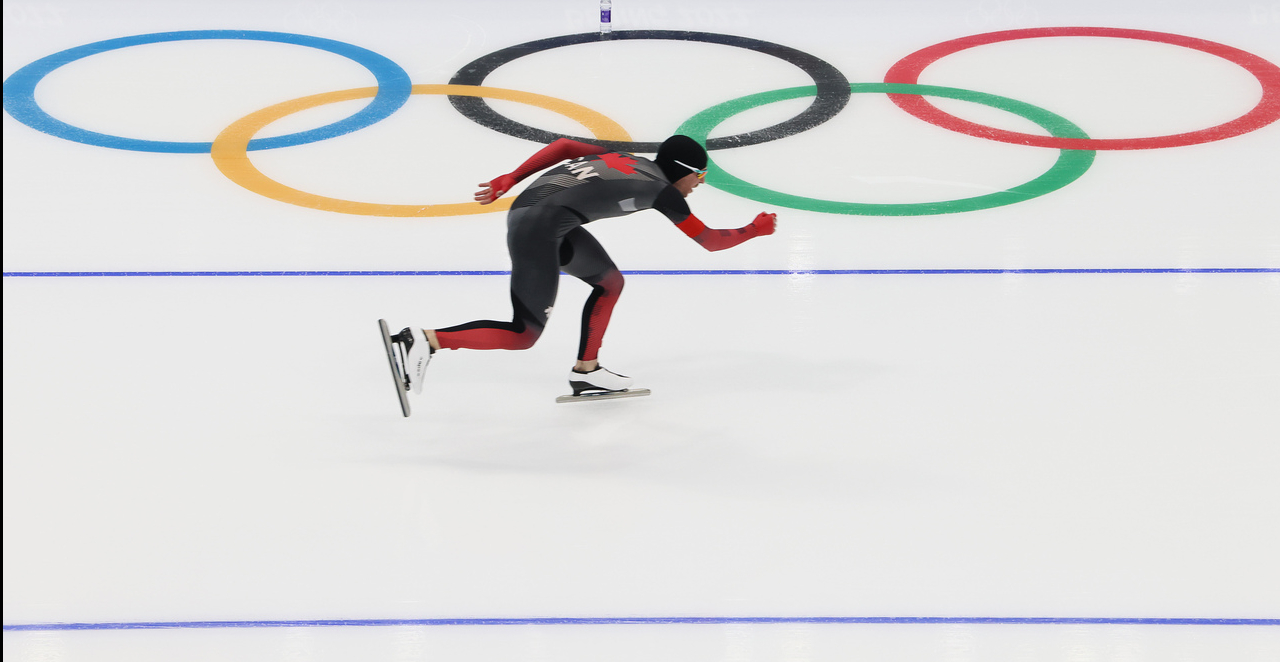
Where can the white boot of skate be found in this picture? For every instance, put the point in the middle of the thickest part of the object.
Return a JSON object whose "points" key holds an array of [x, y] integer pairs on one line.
{"points": [[600, 384], [417, 354], [598, 380]]}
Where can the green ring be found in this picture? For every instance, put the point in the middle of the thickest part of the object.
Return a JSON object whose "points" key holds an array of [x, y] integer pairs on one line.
{"points": [[1071, 164]]}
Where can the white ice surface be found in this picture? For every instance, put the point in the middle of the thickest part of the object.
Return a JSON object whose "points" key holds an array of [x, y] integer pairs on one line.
{"points": [[963, 445]]}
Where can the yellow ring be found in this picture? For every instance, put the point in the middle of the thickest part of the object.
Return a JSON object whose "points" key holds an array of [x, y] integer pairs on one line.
{"points": [[230, 150]]}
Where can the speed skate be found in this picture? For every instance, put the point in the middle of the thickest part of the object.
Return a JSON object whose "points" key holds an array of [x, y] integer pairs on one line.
{"points": [[396, 358], [599, 384]]}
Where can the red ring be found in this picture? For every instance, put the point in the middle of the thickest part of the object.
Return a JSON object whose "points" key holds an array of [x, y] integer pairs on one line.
{"points": [[907, 70]]}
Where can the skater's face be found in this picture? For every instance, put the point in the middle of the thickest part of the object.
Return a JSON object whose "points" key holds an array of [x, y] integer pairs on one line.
{"points": [[686, 184]]}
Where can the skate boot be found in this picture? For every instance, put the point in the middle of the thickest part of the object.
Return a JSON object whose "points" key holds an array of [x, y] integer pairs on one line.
{"points": [[598, 380], [415, 353], [600, 384]]}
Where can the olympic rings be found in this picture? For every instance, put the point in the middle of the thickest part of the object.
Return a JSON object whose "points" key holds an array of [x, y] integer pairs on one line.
{"points": [[20, 88], [908, 70], [1071, 164], [231, 158], [831, 92], [832, 88]]}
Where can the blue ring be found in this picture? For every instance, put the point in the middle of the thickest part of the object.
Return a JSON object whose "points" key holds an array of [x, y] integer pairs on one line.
{"points": [[394, 88]]}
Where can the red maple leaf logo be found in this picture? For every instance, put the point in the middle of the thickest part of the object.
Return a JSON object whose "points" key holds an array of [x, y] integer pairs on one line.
{"points": [[623, 164]]}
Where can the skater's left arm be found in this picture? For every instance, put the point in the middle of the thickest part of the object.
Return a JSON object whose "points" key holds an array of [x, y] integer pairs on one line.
{"points": [[718, 240], [673, 206], [548, 156]]}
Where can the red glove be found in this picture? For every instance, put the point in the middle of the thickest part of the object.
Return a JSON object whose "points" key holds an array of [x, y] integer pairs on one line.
{"points": [[495, 189], [765, 223]]}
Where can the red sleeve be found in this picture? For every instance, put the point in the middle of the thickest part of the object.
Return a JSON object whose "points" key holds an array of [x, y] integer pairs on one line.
{"points": [[716, 240], [554, 153]]}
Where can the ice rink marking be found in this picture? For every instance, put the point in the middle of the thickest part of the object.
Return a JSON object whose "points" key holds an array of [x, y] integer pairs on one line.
{"points": [[658, 272], [696, 620]]}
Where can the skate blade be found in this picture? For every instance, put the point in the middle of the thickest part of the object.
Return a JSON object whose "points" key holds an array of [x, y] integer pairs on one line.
{"points": [[396, 373], [604, 395]]}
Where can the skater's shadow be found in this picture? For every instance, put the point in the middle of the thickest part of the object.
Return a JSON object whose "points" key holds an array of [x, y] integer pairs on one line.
{"points": [[764, 422], [768, 374]]}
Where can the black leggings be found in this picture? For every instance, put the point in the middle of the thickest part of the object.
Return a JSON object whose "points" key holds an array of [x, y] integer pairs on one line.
{"points": [[543, 240]]}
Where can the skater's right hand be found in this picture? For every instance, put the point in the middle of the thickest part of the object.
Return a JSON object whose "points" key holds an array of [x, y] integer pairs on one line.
{"points": [[765, 223], [493, 190]]}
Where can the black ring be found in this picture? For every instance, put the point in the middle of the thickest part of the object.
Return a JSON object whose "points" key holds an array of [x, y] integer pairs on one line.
{"points": [[833, 88]]}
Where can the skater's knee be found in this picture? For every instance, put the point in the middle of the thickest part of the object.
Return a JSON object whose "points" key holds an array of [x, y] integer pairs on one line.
{"points": [[526, 339], [525, 342], [612, 282]]}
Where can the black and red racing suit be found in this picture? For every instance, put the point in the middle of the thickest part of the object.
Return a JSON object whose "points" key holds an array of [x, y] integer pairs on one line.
{"points": [[545, 235]]}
